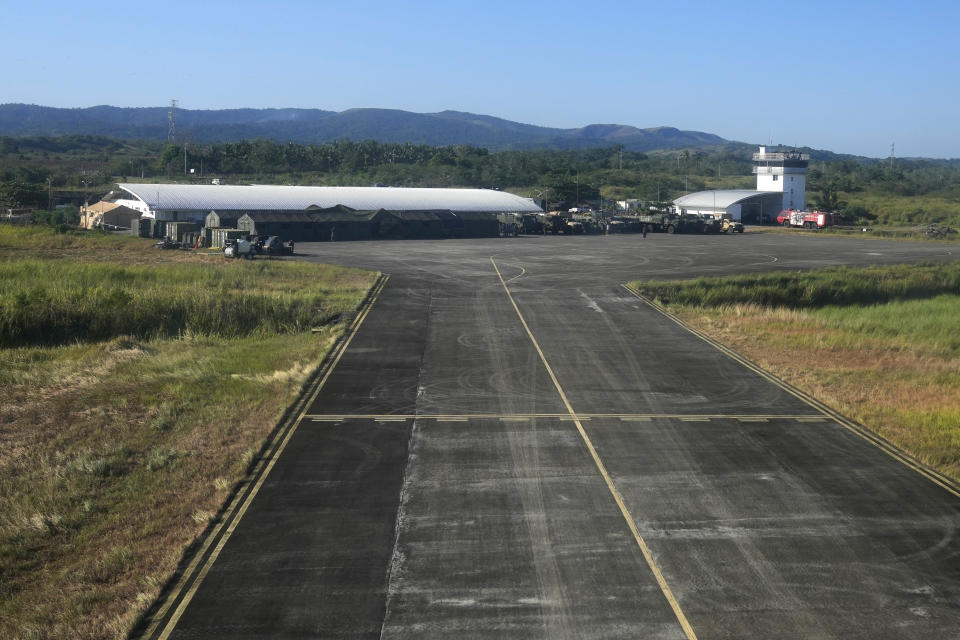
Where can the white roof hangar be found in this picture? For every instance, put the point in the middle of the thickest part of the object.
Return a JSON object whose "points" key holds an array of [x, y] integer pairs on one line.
{"points": [[194, 202], [742, 204]]}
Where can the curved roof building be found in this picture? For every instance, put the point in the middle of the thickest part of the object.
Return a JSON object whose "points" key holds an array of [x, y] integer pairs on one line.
{"points": [[746, 205], [194, 202], [716, 200]]}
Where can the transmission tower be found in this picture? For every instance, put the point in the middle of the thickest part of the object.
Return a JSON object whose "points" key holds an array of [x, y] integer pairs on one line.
{"points": [[172, 117], [892, 155]]}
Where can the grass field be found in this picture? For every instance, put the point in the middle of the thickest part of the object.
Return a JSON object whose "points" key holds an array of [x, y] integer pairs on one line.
{"points": [[895, 210], [120, 441], [879, 344]]}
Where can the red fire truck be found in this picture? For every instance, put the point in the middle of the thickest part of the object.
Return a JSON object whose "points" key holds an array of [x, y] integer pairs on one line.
{"points": [[807, 219]]}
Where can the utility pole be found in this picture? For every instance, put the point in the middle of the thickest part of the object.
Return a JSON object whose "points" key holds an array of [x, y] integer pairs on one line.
{"points": [[172, 118]]}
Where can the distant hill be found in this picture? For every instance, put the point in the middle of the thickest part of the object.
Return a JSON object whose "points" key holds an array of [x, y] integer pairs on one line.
{"points": [[317, 126]]}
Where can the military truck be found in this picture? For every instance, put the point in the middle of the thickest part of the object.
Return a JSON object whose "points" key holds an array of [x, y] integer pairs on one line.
{"points": [[727, 223], [673, 222]]}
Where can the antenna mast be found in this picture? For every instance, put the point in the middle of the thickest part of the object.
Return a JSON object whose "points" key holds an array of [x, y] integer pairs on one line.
{"points": [[172, 117]]}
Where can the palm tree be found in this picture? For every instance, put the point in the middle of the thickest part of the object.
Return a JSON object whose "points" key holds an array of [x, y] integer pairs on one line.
{"points": [[829, 200]]}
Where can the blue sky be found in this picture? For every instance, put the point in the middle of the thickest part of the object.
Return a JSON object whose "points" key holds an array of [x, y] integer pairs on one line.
{"points": [[852, 77]]}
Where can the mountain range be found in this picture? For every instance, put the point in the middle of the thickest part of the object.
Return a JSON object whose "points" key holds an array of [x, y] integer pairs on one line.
{"points": [[307, 126]]}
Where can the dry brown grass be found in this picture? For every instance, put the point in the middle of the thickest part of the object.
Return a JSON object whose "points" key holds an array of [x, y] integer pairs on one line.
{"points": [[107, 481], [904, 390]]}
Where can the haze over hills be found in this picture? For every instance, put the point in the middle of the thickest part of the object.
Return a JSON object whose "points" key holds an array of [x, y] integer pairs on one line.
{"points": [[318, 126]]}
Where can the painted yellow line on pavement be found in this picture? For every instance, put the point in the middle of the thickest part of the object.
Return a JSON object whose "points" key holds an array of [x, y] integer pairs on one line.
{"points": [[826, 411], [240, 506], [523, 271], [611, 486]]}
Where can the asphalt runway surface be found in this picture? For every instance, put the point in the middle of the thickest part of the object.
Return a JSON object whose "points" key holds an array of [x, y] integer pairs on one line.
{"points": [[511, 445]]}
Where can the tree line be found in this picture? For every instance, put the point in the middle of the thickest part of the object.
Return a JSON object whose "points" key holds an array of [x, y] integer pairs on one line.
{"points": [[32, 166]]}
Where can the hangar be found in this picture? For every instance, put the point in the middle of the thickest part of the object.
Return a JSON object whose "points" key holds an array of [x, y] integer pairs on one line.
{"points": [[745, 205], [192, 203]]}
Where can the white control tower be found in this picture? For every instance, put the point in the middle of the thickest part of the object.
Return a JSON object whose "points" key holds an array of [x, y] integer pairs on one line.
{"points": [[783, 171]]}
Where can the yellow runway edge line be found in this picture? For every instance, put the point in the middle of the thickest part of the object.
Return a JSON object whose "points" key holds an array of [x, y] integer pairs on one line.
{"points": [[240, 504], [641, 543], [826, 412]]}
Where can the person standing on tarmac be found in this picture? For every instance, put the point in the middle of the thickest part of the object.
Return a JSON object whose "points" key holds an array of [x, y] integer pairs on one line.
{"points": [[643, 225]]}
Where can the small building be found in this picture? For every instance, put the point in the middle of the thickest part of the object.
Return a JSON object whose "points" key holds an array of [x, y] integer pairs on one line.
{"points": [[107, 215], [288, 226], [216, 220]]}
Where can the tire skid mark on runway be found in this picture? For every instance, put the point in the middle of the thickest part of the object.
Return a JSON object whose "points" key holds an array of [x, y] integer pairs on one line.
{"points": [[449, 417], [611, 486], [826, 411], [395, 569]]}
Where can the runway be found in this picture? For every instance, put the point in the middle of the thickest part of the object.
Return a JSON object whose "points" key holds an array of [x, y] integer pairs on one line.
{"points": [[510, 444]]}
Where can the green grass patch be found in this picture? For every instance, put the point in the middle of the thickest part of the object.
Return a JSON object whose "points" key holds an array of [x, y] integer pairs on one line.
{"points": [[803, 289], [123, 439], [897, 210], [56, 301]]}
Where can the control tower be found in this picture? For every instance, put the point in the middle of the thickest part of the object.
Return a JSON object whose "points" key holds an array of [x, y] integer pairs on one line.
{"points": [[785, 172]]}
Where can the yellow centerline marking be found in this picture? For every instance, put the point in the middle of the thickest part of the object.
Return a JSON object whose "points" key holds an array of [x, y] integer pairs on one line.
{"points": [[611, 486], [523, 272], [263, 469], [826, 412]]}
